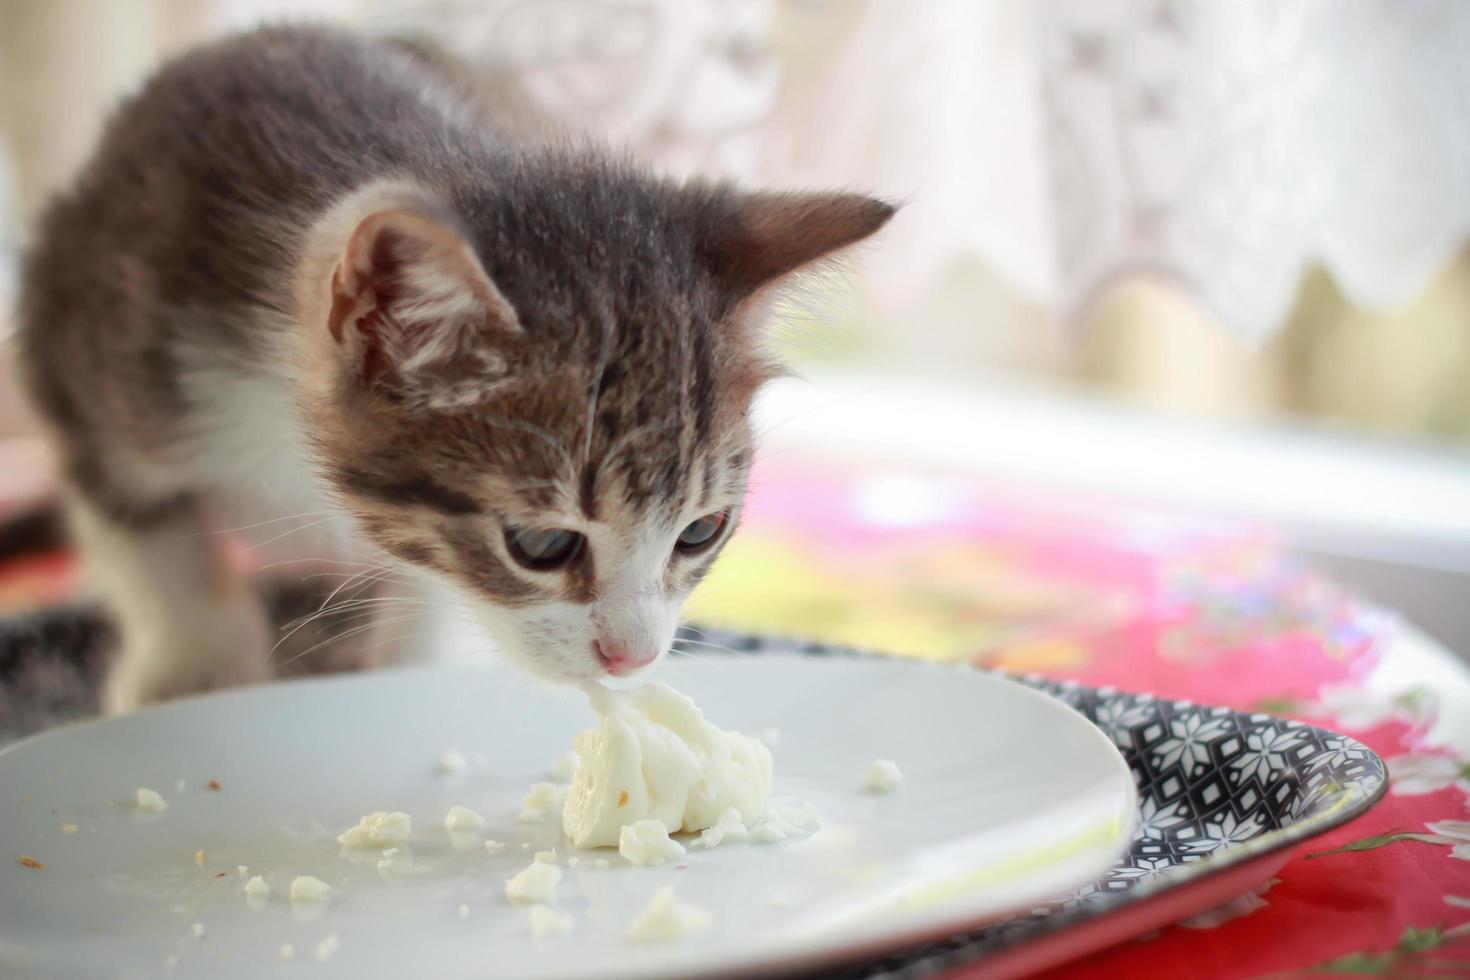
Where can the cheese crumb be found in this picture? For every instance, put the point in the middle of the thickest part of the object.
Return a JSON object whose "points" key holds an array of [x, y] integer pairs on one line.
{"points": [[286, 951], [537, 883], [150, 802], [242, 869], [564, 767], [603, 863], [198, 930], [464, 911], [377, 829], [462, 818], [547, 856], [68, 828], [451, 762], [494, 846], [385, 863], [654, 756], [665, 918], [327, 947], [546, 921], [883, 776], [782, 822], [648, 842], [199, 858], [542, 804], [729, 829], [257, 888], [572, 861], [305, 888]]}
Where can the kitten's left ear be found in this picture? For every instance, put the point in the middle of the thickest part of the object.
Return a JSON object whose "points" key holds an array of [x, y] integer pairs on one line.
{"points": [[414, 312], [752, 240]]}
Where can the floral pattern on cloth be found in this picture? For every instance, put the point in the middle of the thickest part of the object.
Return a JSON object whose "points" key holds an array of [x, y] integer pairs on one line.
{"points": [[1110, 594]]}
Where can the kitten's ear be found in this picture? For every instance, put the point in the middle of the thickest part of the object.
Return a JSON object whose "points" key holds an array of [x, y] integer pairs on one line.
{"points": [[759, 238], [414, 310]]}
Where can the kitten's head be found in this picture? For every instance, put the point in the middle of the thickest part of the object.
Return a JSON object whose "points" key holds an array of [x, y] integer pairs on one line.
{"points": [[540, 392]]}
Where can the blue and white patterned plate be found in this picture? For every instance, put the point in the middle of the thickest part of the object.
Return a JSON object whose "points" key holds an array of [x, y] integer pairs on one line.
{"points": [[1223, 795]]}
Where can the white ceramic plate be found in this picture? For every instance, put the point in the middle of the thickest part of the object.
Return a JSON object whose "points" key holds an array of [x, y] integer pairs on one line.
{"points": [[1008, 798]]}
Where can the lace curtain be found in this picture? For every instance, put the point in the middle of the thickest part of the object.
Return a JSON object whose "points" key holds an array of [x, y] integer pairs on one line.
{"points": [[1062, 143], [1226, 145]]}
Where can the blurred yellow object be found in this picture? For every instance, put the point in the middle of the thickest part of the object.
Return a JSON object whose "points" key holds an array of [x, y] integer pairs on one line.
{"points": [[921, 598]]}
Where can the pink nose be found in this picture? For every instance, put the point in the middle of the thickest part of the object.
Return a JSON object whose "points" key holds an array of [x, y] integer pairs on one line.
{"points": [[617, 659]]}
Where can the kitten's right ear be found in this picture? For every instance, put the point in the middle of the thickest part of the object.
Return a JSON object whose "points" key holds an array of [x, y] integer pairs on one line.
{"points": [[414, 311], [756, 239]]}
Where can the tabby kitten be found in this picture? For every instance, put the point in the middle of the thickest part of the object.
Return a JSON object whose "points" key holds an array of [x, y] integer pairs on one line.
{"points": [[310, 271]]}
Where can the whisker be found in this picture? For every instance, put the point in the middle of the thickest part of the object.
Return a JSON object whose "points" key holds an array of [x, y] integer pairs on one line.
{"points": [[295, 625], [673, 647], [247, 527], [347, 605], [294, 530], [369, 572], [345, 634]]}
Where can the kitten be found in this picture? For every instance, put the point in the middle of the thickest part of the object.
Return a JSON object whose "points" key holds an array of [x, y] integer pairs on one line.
{"points": [[310, 270]]}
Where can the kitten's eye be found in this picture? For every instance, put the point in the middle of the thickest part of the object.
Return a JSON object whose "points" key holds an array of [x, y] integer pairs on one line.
{"points": [[701, 533], [543, 548]]}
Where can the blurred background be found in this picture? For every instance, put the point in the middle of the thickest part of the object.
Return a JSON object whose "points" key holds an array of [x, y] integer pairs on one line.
{"points": [[1211, 254]]}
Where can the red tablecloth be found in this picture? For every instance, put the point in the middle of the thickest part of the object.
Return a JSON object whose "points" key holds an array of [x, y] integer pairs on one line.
{"points": [[1111, 594]]}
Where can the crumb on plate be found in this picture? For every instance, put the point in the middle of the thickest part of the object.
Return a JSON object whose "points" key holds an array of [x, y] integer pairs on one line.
{"points": [[542, 803], [306, 888], [884, 776], [30, 862], [665, 918], [729, 829], [149, 801], [377, 829], [546, 921], [648, 842], [462, 818], [536, 883], [328, 946]]}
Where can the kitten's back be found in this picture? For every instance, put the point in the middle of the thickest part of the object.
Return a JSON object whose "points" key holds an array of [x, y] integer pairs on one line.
{"points": [[179, 238]]}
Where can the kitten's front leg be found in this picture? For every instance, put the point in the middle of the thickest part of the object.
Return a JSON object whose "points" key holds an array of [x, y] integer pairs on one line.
{"points": [[189, 621]]}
